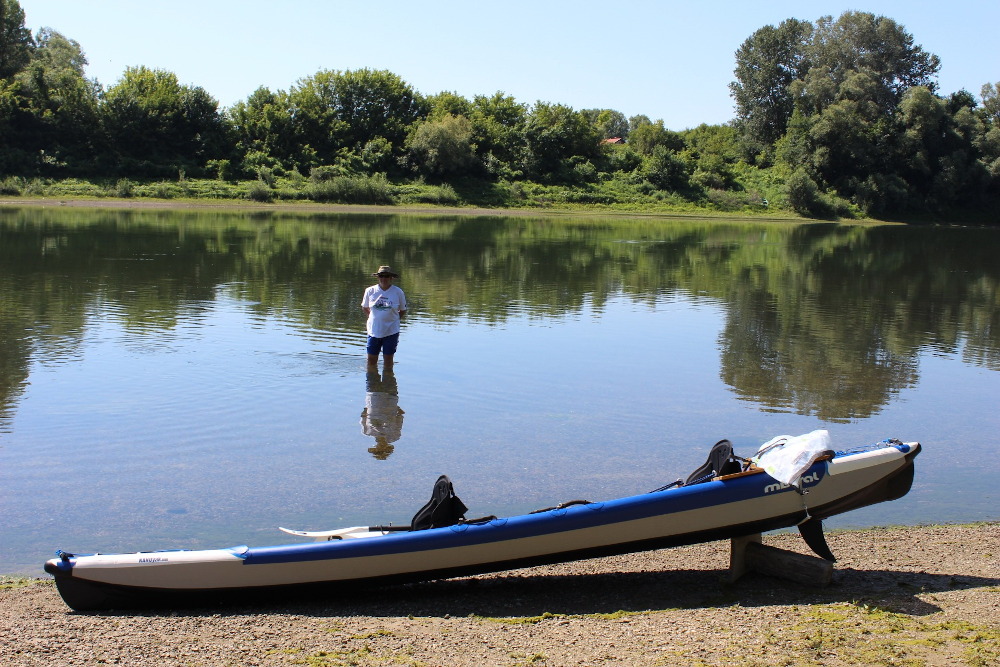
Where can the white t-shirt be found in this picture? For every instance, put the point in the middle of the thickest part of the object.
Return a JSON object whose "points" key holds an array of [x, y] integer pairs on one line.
{"points": [[383, 307]]}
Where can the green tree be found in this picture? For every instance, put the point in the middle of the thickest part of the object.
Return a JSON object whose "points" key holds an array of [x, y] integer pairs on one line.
{"points": [[443, 147], [939, 149], [377, 156], [843, 136], [608, 122], [645, 137], [16, 44], [930, 155], [61, 124], [666, 170], [16, 154], [555, 134], [863, 42], [766, 65], [336, 111], [866, 58], [845, 145], [156, 126], [498, 123], [989, 149], [804, 195], [638, 121], [714, 151], [378, 104], [448, 104], [206, 132], [265, 135], [828, 97], [989, 143], [16, 121], [961, 98], [317, 116], [991, 102]]}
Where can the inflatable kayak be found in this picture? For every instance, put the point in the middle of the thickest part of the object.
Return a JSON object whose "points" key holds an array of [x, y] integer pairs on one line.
{"points": [[725, 498]]}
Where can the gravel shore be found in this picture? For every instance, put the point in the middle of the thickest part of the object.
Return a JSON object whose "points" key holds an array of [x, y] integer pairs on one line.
{"points": [[900, 596]]}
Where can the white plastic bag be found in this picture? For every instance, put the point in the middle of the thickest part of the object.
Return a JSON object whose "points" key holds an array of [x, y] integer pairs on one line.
{"points": [[787, 457]]}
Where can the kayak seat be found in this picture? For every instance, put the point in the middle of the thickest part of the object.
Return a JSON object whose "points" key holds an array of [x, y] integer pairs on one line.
{"points": [[443, 509], [720, 462]]}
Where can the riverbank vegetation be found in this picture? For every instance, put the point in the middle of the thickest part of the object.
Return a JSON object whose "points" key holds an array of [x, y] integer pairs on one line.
{"points": [[837, 118]]}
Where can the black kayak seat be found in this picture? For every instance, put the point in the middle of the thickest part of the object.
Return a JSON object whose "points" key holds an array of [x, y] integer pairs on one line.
{"points": [[720, 462], [443, 509]]}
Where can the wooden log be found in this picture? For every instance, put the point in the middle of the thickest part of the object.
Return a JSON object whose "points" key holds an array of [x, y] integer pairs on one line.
{"points": [[737, 556], [750, 555]]}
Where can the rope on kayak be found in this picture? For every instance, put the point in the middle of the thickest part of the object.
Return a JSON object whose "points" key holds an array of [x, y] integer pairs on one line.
{"points": [[677, 482], [888, 442], [564, 505], [477, 522], [805, 508]]}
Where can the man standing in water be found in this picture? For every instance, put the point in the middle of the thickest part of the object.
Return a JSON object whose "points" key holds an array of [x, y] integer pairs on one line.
{"points": [[384, 304]]}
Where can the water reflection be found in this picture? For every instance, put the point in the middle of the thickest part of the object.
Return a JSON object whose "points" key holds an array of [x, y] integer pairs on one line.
{"points": [[831, 320], [821, 319], [590, 355], [382, 418], [835, 365]]}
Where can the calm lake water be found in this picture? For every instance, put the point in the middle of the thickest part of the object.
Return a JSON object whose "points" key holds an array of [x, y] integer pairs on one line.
{"points": [[197, 379]]}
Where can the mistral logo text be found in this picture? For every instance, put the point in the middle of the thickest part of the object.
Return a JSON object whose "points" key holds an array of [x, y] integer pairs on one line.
{"points": [[778, 486]]}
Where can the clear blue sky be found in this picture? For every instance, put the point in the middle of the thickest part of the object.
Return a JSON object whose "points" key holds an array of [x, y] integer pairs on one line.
{"points": [[667, 60]]}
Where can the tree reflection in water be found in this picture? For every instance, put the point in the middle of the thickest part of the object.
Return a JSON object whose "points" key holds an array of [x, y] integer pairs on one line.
{"points": [[821, 319]]}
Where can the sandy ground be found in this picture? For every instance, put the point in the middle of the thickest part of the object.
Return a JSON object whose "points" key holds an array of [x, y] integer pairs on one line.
{"points": [[900, 596]]}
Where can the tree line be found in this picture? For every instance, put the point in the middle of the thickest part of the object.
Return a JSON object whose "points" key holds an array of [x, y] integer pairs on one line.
{"points": [[850, 108], [835, 117]]}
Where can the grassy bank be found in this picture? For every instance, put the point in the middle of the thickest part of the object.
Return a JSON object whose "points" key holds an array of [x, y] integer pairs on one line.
{"points": [[379, 191], [472, 197]]}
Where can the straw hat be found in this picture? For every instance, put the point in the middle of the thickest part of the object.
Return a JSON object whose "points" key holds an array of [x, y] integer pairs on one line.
{"points": [[386, 270]]}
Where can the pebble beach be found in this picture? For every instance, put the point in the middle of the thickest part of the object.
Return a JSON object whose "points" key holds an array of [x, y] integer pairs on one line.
{"points": [[900, 596]]}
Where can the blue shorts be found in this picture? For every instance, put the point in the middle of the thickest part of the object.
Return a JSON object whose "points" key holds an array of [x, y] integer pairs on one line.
{"points": [[385, 345]]}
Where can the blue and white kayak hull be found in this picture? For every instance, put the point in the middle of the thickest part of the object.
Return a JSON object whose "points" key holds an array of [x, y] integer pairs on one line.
{"points": [[726, 507]]}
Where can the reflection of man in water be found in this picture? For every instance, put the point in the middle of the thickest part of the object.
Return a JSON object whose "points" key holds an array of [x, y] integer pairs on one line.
{"points": [[382, 417]]}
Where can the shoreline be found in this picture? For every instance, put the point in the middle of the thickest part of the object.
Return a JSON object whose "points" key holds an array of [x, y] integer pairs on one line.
{"points": [[400, 209], [913, 595]]}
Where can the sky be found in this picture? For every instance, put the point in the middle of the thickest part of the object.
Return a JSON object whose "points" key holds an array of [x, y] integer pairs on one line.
{"points": [[668, 60]]}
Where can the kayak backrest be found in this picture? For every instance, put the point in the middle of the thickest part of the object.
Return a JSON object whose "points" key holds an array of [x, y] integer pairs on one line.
{"points": [[443, 509], [720, 462]]}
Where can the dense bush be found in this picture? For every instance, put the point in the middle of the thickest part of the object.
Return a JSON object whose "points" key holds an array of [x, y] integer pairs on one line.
{"points": [[124, 189], [352, 190], [12, 185], [804, 196], [260, 191]]}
